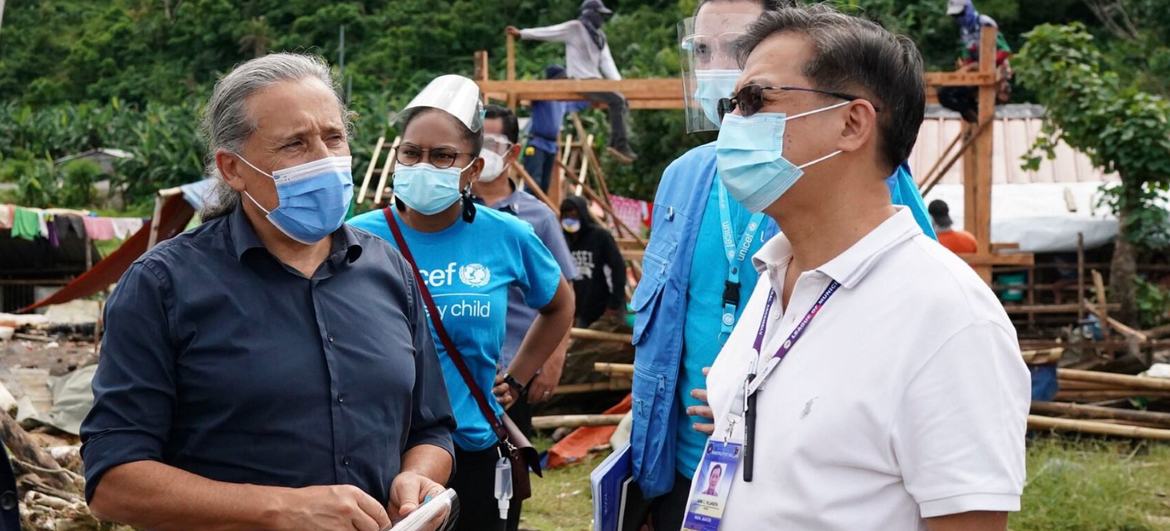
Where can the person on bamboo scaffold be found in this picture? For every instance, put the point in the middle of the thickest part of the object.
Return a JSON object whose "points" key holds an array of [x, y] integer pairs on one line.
{"points": [[587, 56]]}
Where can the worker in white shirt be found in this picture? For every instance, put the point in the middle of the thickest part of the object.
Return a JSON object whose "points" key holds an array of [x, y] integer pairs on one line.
{"points": [[873, 380], [587, 56]]}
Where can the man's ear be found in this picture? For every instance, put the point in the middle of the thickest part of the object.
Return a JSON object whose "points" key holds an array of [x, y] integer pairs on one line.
{"points": [[860, 126], [229, 166], [513, 155]]}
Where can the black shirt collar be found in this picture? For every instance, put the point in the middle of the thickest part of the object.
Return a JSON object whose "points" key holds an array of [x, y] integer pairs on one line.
{"points": [[243, 238]]}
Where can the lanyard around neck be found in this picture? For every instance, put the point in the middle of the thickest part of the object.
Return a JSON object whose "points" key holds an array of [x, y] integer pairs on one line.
{"points": [[735, 257], [785, 347]]}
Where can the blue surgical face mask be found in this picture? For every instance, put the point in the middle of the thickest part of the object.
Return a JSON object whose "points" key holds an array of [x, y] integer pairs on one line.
{"points": [[571, 225], [314, 198], [710, 87], [749, 155], [427, 189]]}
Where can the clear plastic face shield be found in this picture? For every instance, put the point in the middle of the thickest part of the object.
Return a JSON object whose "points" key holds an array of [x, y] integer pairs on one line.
{"points": [[455, 95], [709, 66]]}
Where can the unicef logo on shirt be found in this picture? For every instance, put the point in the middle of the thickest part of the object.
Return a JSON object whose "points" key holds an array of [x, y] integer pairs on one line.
{"points": [[475, 275]]}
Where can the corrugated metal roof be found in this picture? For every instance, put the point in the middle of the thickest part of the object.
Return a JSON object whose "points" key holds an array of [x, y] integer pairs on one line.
{"points": [[1016, 128]]}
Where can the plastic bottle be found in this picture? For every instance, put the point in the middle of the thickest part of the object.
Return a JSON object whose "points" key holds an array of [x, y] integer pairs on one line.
{"points": [[503, 486]]}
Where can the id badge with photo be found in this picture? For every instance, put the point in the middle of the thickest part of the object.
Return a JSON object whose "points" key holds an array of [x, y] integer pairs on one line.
{"points": [[712, 484]]}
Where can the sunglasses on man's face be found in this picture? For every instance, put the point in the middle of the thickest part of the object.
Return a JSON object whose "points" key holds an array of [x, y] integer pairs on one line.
{"points": [[750, 99]]}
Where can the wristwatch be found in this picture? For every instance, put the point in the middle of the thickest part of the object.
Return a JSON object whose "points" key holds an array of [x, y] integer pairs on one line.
{"points": [[521, 390]]}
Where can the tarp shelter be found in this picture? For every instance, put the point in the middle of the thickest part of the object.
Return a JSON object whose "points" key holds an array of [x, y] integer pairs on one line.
{"points": [[172, 216], [1042, 210]]}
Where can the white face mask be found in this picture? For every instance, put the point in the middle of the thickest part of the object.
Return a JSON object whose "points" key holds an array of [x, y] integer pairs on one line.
{"points": [[493, 166]]}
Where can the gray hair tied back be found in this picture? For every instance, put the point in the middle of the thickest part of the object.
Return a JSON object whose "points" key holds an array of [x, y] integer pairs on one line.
{"points": [[227, 124]]}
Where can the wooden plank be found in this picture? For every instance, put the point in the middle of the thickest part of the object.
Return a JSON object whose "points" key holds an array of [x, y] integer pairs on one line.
{"points": [[654, 89], [987, 260], [1099, 289], [510, 58], [1121, 327], [982, 151], [960, 79], [480, 58]]}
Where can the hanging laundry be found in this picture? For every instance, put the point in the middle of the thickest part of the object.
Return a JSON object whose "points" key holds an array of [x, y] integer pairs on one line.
{"points": [[69, 226], [631, 211], [126, 227], [25, 224], [99, 228], [42, 223], [52, 230], [6, 216]]}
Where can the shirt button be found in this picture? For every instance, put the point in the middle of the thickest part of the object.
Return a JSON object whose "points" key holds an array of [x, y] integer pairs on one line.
{"points": [[8, 500], [340, 398], [345, 461], [330, 339]]}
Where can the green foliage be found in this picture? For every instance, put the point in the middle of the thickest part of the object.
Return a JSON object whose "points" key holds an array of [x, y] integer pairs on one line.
{"points": [[1120, 127], [77, 178], [1153, 304]]}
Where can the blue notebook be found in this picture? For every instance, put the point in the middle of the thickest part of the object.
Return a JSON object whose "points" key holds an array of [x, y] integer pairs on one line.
{"points": [[609, 482]]}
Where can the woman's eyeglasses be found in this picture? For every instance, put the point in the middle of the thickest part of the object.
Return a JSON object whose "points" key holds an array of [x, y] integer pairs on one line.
{"points": [[441, 158], [750, 99]]}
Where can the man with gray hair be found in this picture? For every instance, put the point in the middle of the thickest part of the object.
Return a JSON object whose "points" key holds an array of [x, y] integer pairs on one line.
{"points": [[873, 380], [236, 389]]}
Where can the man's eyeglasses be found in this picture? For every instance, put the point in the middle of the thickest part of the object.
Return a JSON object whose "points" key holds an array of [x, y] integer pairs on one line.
{"points": [[750, 99], [498, 144], [441, 158]]}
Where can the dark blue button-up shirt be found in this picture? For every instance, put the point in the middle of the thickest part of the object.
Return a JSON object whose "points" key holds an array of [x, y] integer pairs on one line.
{"points": [[222, 361]]}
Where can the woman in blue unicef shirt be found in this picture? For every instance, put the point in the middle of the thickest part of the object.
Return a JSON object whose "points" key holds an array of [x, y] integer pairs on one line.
{"points": [[468, 256]]}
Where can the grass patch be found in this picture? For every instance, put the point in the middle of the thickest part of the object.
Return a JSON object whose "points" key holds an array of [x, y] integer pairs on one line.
{"points": [[1094, 484], [1072, 485]]}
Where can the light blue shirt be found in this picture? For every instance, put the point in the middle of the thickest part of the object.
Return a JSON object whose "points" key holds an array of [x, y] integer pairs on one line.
{"points": [[520, 316], [468, 268], [701, 338]]}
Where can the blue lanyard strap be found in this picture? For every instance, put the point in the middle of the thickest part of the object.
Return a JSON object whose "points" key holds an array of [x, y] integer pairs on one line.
{"points": [[735, 257]]}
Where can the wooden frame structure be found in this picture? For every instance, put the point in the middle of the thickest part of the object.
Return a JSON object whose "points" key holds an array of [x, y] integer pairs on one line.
{"points": [[975, 142]]}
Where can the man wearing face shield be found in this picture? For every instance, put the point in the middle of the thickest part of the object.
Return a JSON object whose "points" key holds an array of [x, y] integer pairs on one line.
{"points": [[235, 389], [587, 56], [873, 381], [470, 257], [702, 245]]}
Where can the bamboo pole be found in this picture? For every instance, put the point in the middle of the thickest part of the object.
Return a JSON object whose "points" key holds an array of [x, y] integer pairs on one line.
{"points": [[1037, 422], [1119, 380], [1096, 412], [534, 188], [574, 421], [1097, 396], [1077, 385], [614, 369], [593, 387], [370, 169], [386, 169], [597, 335], [584, 171]]}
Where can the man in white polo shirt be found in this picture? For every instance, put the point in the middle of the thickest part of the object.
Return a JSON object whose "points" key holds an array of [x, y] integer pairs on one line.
{"points": [[888, 388]]}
